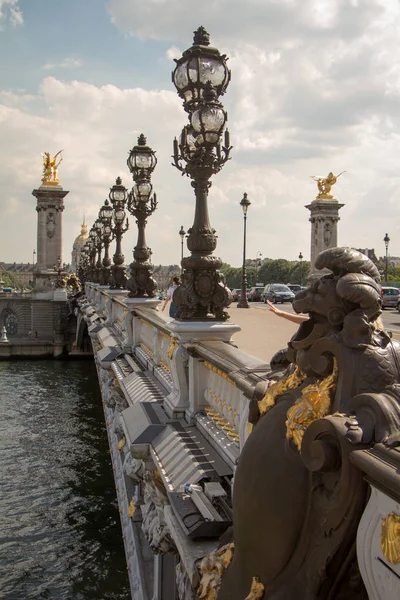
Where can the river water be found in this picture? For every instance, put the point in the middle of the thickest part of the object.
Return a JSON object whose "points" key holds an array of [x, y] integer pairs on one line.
{"points": [[60, 536]]}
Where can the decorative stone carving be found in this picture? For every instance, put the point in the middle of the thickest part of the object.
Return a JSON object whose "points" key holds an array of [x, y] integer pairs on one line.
{"points": [[134, 468], [296, 513], [154, 525], [51, 225], [183, 585]]}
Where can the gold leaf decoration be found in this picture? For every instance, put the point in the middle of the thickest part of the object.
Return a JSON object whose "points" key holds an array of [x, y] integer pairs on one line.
{"points": [[256, 590], [174, 343], [314, 403], [276, 389], [390, 538], [131, 509], [121, 444], [212, 568]]}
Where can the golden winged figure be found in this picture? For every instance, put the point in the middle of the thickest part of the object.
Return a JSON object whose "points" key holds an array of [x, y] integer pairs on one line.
{"points": [[325, 184], [50, 168]]}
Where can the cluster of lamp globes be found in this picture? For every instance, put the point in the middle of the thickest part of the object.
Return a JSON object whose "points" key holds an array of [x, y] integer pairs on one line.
{"points": [[201, 76]]}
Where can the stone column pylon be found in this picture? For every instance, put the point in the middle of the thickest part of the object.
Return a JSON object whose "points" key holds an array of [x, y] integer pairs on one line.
{"points": [[324, 218], [50, 206]]}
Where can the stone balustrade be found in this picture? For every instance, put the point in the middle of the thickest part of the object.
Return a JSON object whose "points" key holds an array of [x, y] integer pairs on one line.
{"points": [[186, 380]]}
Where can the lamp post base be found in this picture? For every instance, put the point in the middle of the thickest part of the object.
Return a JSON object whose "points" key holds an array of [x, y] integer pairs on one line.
{"points": [[243, 303]]}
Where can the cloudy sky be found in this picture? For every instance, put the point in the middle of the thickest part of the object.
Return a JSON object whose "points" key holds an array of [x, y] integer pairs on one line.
{"points": [[315, 88]]}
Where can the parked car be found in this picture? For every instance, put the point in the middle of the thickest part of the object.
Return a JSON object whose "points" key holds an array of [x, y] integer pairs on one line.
{"points": [[235, 294], [295, 287], [255, 294], [390, 297], [277, 292]]}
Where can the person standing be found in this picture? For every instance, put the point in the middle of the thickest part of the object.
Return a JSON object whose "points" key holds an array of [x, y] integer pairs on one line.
{"points": [[173, 307]]}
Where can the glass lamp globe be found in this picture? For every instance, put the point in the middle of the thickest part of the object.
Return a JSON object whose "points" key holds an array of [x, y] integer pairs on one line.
{"points": [[142, 191], [105, 213], [198, 65], [209, 119], [118, 193], [142, 159], [119, 216]]}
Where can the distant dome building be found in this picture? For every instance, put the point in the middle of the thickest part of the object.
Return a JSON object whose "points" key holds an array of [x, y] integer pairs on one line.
{"points": [[77, 247]]}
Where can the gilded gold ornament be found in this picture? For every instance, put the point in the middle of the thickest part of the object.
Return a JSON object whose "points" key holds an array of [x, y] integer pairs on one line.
{"points": [[276, 389], [256, 590], [390, 538], [314, 403]]}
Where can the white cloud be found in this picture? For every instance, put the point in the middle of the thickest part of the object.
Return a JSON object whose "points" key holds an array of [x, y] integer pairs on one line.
{"points": [[67, 63], [311, 92], [10, 11]]}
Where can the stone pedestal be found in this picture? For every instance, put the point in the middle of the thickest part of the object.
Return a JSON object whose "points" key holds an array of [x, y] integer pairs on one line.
{"points": [[50, 206], [324, 218], [177, 402]]}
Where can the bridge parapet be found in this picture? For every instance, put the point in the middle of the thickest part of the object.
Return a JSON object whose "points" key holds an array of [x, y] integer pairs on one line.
{"points": [[176, 399]]}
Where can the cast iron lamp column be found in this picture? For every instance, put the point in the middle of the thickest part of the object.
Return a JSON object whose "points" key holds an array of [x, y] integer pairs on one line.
{"points": [[243, 303], [105, 216], [141, 204], [200, 77], [98, 227], [93, 251], [301, 268], [182, 234], [83, 266], [118, 196], [386, 239]]}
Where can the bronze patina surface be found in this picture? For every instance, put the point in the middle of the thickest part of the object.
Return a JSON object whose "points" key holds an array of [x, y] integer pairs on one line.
{"points": [[335, 389]]}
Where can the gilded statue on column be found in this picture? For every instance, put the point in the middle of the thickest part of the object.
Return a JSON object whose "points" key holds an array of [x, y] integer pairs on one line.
{"points": [[50, 168], [325, 185]]}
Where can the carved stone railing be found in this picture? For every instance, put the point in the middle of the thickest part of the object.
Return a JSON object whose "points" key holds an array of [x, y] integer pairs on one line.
{"points": [[195, 382], [202, 379]]}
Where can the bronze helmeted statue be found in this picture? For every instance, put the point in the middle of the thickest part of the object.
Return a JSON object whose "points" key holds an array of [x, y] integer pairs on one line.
{"points": [[298, 497]]}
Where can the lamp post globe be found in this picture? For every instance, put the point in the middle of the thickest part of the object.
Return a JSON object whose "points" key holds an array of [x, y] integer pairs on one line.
{"points": [[243, 302], [197, 66]]}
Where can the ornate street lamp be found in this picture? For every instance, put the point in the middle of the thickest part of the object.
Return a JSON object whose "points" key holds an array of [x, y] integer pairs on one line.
{"points": [[99, 227], [93, 249], [301, 268], [243, 303], [105, 216], [201, 76], [83, 265], [141, 204], [182, 234], [118, 196], [386, 239]]}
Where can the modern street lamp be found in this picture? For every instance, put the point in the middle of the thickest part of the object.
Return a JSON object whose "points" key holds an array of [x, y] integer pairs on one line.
{"points": [[200, 77], [118, 196], [301, 268], [258, 265], [105, 216], [243, 303], [141, 204], [182, 233], [386, 239]]}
